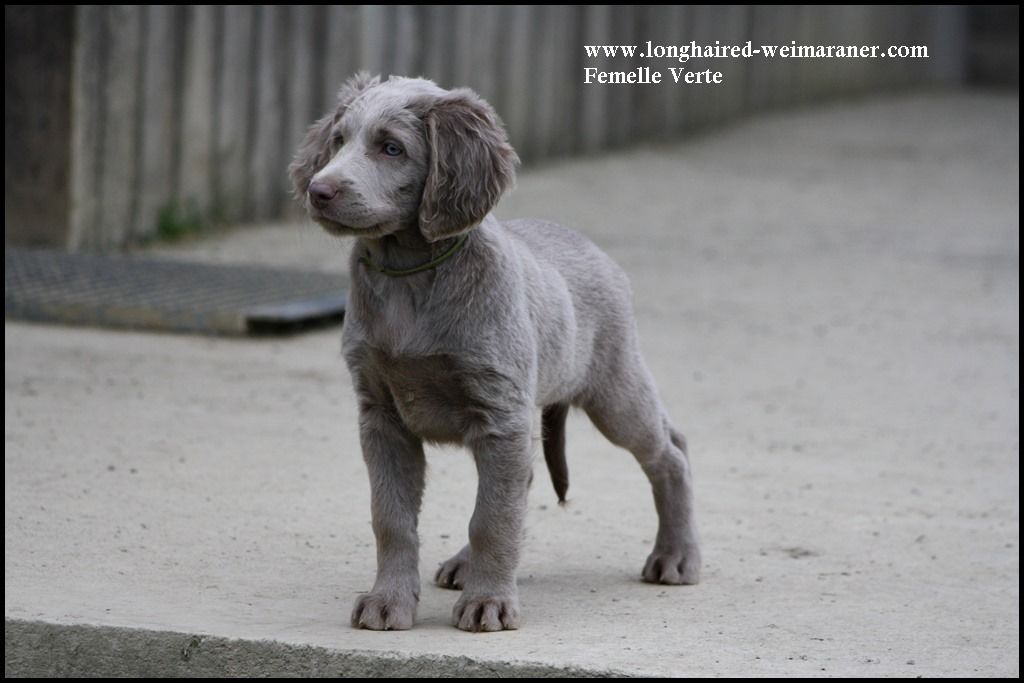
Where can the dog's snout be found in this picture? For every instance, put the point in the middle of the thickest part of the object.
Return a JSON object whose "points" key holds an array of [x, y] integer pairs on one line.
{"points": [[321, 192]]}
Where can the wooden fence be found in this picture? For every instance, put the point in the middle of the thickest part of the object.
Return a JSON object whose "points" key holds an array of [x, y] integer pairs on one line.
{"points": [[142, 114]]}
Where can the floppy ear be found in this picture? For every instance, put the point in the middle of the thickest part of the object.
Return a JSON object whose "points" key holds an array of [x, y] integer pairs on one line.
{"points": [[471, 164], [316, 148]]}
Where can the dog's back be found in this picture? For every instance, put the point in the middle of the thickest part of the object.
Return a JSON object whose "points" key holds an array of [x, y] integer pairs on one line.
{"points": [[601, 296]]}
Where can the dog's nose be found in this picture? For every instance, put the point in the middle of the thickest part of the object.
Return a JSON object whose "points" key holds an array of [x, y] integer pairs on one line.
{"points": [[320, 193]]}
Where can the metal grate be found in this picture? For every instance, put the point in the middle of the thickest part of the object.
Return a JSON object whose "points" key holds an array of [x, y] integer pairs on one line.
{"points": [[146, 293]]}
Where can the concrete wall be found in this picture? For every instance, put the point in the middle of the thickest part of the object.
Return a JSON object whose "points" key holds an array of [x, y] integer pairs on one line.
{"points": [[195, 110]]}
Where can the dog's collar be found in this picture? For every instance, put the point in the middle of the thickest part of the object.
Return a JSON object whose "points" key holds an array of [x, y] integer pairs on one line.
{"points": [[429, 265]]}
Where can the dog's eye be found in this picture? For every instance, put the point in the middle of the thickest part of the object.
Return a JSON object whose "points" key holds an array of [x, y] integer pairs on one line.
{"points": [[391, 149], [338, 140]]}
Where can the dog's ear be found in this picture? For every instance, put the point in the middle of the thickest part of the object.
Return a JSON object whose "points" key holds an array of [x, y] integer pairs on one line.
{"points": [[471, 164], [317, 147]]}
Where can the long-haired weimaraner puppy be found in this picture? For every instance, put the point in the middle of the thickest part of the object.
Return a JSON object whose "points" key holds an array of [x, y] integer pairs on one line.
{"points": [[465, 330]]}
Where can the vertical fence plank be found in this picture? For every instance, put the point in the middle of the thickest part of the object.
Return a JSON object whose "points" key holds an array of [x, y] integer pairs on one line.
{"points": [[86, 125], [572, 67], [544, 117], [486, 39], [645, 97], [702, 98], [734, 71], [461, 45], [830, 73], [886, 28], [157, 167], [594, 111], [827, 74], [119, 90], [280, 152], [37, 124], [914, 26], [947, 43], [802, 26], [856, 31], [301, 92], [196, 169], [421, 28], [517, 77], [377, 36], [232, 113], [568, 80], [475, 57], [342, 51], [437, 51], [407, 41], [847, 78], [501, 48], [658, 98], [786, 76], [301, 95], [271, 110], [620, 117], [678, 20], [759, 90], [898, 31], [555, 101]]}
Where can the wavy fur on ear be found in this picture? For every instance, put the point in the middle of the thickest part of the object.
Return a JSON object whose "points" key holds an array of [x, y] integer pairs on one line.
{"points": [[316, 148], [471, 165]]}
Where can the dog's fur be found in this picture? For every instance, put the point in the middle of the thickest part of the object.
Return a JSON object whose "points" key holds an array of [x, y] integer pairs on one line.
{"points": [[526, 316]]}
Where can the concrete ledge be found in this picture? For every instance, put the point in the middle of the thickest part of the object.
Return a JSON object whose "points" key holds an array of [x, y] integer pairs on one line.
{"points": [[39, 649]]}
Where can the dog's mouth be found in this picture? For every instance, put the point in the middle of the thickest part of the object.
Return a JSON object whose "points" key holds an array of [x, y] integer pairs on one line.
{"points": [[337, 229], [360, 224]]}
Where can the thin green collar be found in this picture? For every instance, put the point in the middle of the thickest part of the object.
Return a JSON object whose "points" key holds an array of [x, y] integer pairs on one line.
{"points": [[429, 265]]}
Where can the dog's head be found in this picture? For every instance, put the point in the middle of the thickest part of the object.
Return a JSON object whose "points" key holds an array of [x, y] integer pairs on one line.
{"points": [[402, 153]]}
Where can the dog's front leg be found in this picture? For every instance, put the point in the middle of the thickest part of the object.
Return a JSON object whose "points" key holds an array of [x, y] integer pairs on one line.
{"points": [[490, 599], [396, 464]]}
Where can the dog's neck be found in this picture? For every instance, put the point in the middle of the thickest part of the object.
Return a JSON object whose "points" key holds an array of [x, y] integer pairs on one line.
{"points": [[404, 250]]}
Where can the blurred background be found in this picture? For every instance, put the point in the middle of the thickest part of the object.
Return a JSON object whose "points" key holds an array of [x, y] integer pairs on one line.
{"points": [[126, 123]]}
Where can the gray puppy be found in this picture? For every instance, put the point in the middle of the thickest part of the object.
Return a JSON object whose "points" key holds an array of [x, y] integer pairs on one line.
{"points": [[461, 329]]}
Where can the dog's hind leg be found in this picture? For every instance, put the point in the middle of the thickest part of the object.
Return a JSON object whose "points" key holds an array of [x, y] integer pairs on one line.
{"points": [[625, 407]]}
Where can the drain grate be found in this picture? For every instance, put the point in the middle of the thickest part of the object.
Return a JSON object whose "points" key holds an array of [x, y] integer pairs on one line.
{"points": [[146, 293]]}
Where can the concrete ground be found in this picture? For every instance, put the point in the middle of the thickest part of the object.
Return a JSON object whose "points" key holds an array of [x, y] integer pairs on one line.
{"points": [[829, 300]]}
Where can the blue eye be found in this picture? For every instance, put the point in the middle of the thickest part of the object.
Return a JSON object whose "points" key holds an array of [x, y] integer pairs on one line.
{"points": [[391, 149]]}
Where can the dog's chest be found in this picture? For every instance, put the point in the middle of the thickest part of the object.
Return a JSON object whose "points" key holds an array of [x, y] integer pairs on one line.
{"points": [[437, 397]]}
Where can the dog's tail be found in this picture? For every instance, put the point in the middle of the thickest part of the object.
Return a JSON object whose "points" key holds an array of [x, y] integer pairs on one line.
{"points": [[553, 435]]}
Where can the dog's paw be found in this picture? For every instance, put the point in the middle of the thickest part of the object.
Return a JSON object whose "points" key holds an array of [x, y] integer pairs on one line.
{"points": [[486, 613], [380, 612], [452, 572], [674, 568]]}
